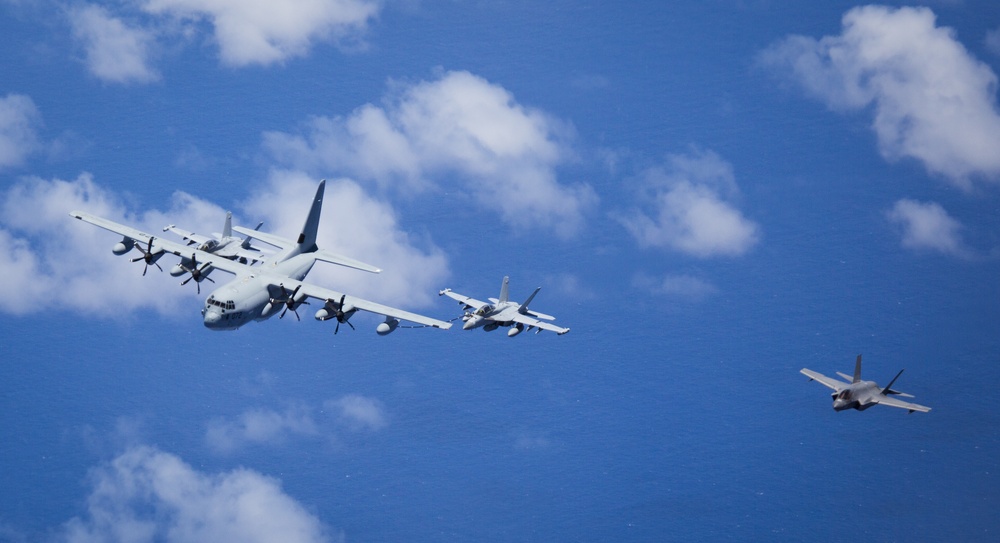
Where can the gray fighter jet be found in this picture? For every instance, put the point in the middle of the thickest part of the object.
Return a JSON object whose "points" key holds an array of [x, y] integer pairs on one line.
{"points": [[273, 288], [860, 395], [502, 312]]}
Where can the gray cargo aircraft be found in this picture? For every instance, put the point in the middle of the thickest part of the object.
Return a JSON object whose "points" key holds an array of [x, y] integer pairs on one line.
{"points": [[259, 292], [860, 395], [502, 312]]}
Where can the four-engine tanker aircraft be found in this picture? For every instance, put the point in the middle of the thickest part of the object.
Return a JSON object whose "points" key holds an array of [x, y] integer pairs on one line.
{"points": [[272, 288], [860, 395], [502, 312]]}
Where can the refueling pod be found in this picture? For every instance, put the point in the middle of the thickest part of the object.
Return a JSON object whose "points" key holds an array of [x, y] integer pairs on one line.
{"points": [[123, 246], [387, 327]]}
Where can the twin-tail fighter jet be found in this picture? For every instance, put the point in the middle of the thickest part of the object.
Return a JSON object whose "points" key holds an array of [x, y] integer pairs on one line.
{"points": [[502, 312], [225, 245], [860, 395], [272, 288]]}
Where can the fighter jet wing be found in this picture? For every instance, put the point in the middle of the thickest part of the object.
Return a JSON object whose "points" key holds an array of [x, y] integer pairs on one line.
{"points": [[524, 319], [824, 380], [329, 295], [191, 237], [468, 301], [893, 402]]}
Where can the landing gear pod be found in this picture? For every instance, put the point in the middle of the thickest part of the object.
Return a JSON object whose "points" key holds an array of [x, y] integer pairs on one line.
{"points": [[387, 327]]}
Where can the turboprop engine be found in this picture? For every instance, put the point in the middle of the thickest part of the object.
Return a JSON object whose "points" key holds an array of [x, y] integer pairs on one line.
{"points": [[340, 311]]}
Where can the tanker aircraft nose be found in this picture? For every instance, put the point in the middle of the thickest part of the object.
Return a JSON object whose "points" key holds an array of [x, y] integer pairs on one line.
{"points": [[212, 318]]}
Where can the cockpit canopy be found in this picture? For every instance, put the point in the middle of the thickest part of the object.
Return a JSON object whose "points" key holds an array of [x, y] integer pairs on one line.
{"points": [[229, 304], [482, 311], [208, 245]]}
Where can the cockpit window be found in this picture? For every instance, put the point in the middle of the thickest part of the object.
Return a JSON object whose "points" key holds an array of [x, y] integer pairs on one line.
{"points": [[484, 310]]}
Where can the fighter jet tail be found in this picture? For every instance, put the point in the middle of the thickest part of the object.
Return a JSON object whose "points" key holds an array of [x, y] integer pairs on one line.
{"points": [[888, 388], [504, 295], [524, 307], [227, 229], [857, 370]]}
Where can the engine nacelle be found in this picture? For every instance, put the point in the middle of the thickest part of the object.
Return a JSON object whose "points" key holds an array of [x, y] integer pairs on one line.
{"points": [[387, 327], [323, 314], [515, 330], [123, 246]]}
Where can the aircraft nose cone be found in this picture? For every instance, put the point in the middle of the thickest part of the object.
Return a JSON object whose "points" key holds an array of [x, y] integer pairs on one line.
{"points": [[470, 324], [212, 318]]}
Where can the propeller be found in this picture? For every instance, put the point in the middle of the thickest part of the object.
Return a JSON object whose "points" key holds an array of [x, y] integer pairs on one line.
{"points": [[196, 273], [341, 316], [148, 256], [289, 301]]}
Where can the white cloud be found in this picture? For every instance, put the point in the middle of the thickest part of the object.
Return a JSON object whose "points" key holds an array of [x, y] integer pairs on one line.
{"points": [[353, 412], [115, 51], [266, 32], [51, 261], [992, 41], [932, 100], [358, 412], [457, 132], [692, 209], [19, 123], [676, 286], [927, 226], [147, 495], [260, 426]]}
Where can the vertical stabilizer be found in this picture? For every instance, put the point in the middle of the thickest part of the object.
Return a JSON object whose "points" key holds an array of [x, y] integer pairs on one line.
{"points": [[857, 369], [227, 229], [888, 388], [524, 307], [504, 295], [307, 239]]}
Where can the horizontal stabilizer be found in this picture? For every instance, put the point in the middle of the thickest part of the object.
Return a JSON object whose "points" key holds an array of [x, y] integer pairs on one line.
{"points": [[334, 258]]}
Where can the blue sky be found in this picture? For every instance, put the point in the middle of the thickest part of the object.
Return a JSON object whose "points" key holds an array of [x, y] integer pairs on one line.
{"points": [[712, 195]]}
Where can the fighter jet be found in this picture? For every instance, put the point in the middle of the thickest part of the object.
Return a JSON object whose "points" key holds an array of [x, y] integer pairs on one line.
{"points": [[225, 245], [860, 395], [502, 312]]}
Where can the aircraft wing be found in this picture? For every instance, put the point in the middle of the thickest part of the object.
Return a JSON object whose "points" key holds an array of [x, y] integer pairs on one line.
{"points": [[824, 380], [193, 237], [893, 402], [165, 245], [468, 301], [525, 319], [270, 239], [325, 294]]}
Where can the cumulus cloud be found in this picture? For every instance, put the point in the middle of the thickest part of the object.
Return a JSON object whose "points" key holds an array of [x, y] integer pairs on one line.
{"points": [[264, 32], [692, 209], [456, 132], [51, 261], [927, 226], [353, 412], [932, 100], [114, 51], [19, 124], [147, 495]]}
